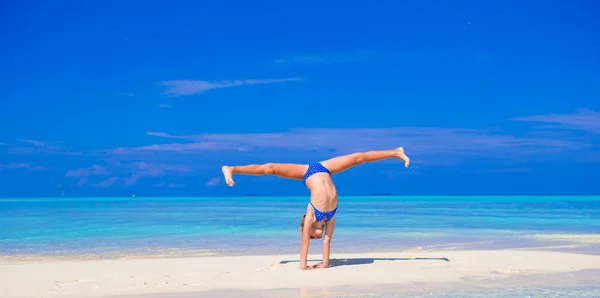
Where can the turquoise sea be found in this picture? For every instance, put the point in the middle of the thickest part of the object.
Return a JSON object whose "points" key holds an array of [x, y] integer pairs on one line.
{"points": [[265, 225]]}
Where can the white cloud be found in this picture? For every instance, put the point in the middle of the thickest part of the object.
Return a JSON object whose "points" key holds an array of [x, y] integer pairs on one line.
{"points": [[140, 170], [42, 148], [583, 119], [190, 87], [94, 170], [25, 166], [214, 181], [418, 140], [107, 182], [35, 143], [170, 185], [84, 173], [427, 145], [160, 134], [130, 173]]}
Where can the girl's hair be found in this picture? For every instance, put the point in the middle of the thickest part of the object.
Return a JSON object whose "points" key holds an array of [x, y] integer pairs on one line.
{"points": [[302, 225], [302, 222]]}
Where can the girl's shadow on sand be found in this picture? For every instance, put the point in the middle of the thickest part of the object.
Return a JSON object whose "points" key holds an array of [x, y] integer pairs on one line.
{"points": [[362, 261]]}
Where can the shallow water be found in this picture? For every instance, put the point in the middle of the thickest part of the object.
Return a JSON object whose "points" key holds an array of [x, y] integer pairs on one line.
{"points": [[264, 225]]}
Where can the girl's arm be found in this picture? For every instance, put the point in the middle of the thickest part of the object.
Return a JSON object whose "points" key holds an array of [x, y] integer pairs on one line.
{"points": [[305, 241], [327, 242]]}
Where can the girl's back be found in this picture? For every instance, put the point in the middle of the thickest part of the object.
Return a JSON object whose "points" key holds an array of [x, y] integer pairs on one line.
{"points": [[323, 191]]}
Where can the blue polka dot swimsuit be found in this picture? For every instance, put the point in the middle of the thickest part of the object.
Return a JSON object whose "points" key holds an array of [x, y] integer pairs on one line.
{"points": [[319, 215], [313, 169]]}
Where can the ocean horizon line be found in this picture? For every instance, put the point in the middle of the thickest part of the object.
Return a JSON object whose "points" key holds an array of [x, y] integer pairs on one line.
{"points": [[351, 197]]}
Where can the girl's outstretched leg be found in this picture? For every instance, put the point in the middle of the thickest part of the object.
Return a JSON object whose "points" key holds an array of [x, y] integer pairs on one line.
{"points": [[283, 170], [342, 163]]}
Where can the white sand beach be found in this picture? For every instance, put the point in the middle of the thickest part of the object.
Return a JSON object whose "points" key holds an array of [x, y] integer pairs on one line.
{"points": [[161, 276]]}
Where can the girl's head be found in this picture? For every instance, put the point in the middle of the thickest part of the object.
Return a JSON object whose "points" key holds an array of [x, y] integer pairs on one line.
{"points": [[316, 229]]}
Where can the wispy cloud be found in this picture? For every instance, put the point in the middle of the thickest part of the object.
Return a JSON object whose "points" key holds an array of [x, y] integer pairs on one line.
{"points": [[94, 170], [420, 140], [164, 106], [84, 173], [189, 87], [128, 94], [169, 185], [328, 58], [161, 134], [583, 119], [429, 146], [177, 147], [129, 173], [25, 166], [214, 181], [35, 143], [107, 182], [142, 169], [42, 148]]}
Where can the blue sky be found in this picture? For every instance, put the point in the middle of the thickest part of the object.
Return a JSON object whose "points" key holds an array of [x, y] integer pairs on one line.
{"points": [[115, 98]]}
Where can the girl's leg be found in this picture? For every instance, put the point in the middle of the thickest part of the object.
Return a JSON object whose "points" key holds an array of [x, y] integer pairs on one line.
{"points": [[283, 170], [342, 163]]}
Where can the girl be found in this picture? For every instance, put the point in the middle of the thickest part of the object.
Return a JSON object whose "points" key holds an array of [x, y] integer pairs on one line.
{"points": [[322, 207]]}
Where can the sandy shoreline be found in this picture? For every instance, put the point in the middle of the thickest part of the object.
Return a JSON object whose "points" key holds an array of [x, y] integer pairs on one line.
{"points": [[570, 284], [102, 278]]}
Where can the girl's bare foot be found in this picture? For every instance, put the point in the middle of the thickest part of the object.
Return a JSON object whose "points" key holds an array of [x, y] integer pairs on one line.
{"points": [[228, 173], [403, 156]]}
